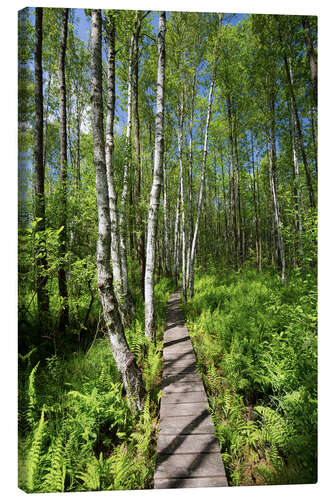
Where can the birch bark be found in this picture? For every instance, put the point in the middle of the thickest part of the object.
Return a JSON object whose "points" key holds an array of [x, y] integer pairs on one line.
{"points": [[109, 147], [124, 358], [126, 299], [156, 186]]}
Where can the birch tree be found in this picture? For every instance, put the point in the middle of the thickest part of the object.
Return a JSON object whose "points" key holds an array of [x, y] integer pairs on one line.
{"points": [[109, 147], [125, 359], [157, 181]]}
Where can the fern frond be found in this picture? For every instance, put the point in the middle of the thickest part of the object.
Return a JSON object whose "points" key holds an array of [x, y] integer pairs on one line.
{"points": [[34, 455]]}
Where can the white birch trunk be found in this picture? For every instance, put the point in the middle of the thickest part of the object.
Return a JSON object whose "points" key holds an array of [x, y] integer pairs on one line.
{"points": [[156, 186], [109, 146], [126, 294], [124, 358]]}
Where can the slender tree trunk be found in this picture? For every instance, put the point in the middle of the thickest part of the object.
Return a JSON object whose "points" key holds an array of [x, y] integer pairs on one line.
{"points": [[226, 224], [311, 58], [297, 191], [175, 267], [204, 158], [47, 118], [127, 300], [140, 233], [258, 242], [233, 197], [41, 259], [156, 186], [299, 129], [190, 189], [109, 147], [124, 358], [166, 222], [62, 280], [78, 139], [241, 250], [272, 177], [182, 202]]}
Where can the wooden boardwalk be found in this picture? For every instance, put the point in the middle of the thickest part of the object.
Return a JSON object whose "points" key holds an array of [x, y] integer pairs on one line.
{"points": [[188, 453]]}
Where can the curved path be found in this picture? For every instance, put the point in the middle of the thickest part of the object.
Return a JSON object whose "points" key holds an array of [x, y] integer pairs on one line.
{"points": [[188, 453]]}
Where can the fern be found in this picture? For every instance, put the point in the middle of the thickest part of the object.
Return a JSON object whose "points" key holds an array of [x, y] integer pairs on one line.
{"points": [[34, 455], [32, 397], [56, 472]]}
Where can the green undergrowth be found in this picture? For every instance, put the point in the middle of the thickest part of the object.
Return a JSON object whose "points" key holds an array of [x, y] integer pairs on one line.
{"points": [[256, 345], [76, 430]]}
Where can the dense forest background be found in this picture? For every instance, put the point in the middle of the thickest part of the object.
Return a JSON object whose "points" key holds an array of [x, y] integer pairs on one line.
{"points": [[232, 218]]}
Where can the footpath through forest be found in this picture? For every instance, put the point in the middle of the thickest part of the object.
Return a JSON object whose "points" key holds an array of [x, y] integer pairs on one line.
{"points": [[188, 453]]}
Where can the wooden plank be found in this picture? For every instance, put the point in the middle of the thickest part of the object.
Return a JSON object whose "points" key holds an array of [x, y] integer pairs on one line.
{"points": [[189, 367], [169, 355], [191, 482], [183, 387], [200, 424], [194, 378], [187, 443], [186, 397], [189, 465], [182, 409]]}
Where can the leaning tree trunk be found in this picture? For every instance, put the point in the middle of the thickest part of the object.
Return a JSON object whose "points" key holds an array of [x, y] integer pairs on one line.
{"points": [[156, 186], [41, 260], [62, 280], [203, 171], [123, 356]]}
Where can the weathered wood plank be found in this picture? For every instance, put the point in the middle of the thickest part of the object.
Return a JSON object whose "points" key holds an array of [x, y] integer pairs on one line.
{"points": [[183, 387], [189, 367], [187, 443], [191, 482], [169, 355], [189, 465], [183, 409], [187, 424], [193, 378], [186, 397]]}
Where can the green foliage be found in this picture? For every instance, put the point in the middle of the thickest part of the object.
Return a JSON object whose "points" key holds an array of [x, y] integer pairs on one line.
{"points": [[256, 344]]}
